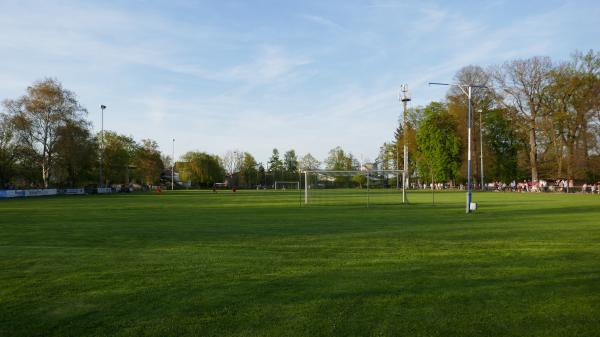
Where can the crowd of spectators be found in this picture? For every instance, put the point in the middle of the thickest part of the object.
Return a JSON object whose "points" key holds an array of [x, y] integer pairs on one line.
{"points": [[559, 185]]}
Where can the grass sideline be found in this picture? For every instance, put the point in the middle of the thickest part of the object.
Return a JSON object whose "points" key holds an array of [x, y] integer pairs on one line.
{"points": [[255, 263]]}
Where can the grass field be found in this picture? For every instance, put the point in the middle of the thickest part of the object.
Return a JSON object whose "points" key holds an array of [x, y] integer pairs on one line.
{"points": [[255, 263]]}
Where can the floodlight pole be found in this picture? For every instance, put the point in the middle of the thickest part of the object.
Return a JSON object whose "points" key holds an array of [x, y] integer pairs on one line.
{"points": [[467, 90], [305, 187], [173, 167], [404, 99], [102, 107], [481, 148]]}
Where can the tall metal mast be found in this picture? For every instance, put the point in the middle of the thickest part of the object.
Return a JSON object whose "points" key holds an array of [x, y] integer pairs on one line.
{"points": [[404, 98]]}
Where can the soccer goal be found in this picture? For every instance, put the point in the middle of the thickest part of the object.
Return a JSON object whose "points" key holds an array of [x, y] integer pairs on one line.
{"points": [[220, 186], [359, 187], [284, 185]]}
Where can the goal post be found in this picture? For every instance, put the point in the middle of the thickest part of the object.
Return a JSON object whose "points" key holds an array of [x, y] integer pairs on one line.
{"points": [[353, 187], [287, 184]]}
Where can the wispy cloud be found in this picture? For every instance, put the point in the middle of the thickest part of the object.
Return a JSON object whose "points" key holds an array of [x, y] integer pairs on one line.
{"points": [[272, 65], [387, 4], [322, 21]]}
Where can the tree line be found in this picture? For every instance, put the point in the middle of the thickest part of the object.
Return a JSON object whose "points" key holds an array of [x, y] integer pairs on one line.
{"points": [[536, 119], [46, 141]]}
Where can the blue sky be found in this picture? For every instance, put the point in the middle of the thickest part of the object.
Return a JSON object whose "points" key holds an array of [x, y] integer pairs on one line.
{"points": [[253, 75]]}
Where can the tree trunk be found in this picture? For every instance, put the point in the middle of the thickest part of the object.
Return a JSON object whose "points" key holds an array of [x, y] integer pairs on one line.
{"points": [[586, 156], [559, 156], [45, 174], [570, 158], [533, 150]]}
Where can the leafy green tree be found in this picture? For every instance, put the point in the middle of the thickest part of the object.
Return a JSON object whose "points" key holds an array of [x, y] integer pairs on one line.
{"points": [[76, 155], [360, 180], [275, 165], [309, 163], [411, 140], [388, 157], [149, 164], [248, 170], [290, 162], [201, 168], [118, 154], [37, 117], [438, 144], [339, 160], [262, 175], [524, 83], [8, 151], [481, 100], [572, 97], [504, 144]]}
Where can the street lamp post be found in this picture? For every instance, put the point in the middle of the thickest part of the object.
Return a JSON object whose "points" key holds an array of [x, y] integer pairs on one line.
{"points": [[481, 148], [173, 166], [101, 178], [404, 98], [467, 90]]}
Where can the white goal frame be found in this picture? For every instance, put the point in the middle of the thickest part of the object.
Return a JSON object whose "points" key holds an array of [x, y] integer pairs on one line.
{"points": [[351, 173], [288, 182]]}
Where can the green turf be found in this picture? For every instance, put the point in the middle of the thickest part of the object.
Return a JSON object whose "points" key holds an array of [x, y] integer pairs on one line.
{"points": [[255, 263]]}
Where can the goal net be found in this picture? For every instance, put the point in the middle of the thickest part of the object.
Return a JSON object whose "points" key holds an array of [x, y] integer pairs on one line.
{"points": [[364, 187], [287, 185], [220, 186]]}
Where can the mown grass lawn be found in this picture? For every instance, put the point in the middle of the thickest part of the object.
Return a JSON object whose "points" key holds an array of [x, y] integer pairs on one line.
{"points": [[255, 263]]}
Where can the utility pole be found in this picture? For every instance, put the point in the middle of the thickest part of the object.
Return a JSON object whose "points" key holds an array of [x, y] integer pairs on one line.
{"points": [[481, 148], [101, 178], [467, 90], [173, 167], [404, 98]]}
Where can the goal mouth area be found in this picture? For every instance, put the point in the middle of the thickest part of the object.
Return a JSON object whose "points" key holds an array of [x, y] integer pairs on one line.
{"points": [[353, 187], [287, 184], [351, 173]]}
